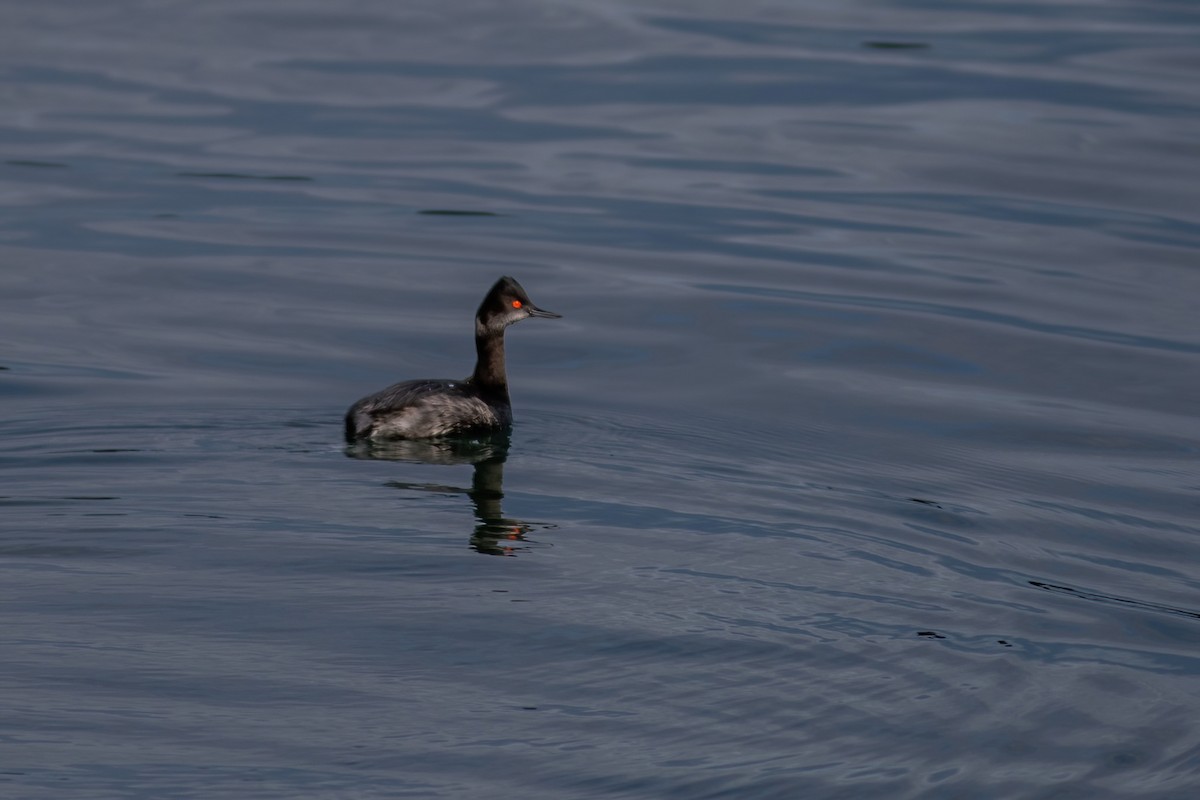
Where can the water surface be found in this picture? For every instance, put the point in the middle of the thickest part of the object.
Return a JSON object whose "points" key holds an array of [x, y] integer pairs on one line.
{"points": [[862, 463]]}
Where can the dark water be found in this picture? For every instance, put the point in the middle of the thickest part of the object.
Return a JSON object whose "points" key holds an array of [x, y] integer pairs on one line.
{"points": [[863, 463]]}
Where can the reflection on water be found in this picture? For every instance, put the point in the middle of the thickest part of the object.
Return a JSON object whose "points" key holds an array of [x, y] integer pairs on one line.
{"points": [[494, 534], [433, 451]]}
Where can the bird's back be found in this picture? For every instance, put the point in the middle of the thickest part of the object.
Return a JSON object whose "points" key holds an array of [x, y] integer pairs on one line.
{"points": [[425, 409]]}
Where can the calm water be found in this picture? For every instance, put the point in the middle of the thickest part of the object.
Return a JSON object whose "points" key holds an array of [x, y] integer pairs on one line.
{"points": [[863, 463]]}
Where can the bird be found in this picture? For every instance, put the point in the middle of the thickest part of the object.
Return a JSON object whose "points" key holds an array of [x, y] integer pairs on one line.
{"points": [[433, 408]]}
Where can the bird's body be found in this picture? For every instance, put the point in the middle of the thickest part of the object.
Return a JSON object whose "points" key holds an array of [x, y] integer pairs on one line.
{"points": [[427, 409]]}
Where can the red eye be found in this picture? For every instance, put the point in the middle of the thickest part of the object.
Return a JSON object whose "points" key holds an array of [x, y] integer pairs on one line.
{"points": [[516, 303]]}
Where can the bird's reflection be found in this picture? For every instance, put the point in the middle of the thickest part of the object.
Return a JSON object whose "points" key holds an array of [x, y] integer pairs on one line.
{"points": [[494, 534]]}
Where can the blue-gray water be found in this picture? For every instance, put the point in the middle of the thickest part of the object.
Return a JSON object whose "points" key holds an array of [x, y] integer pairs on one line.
{"points": [[863, 463]]}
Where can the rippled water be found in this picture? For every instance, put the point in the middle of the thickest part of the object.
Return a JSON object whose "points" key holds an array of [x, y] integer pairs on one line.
{"points": [[862, 464]]}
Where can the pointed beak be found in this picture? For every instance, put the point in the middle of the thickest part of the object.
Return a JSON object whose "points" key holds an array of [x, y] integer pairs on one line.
{"points": [[534, 311]]}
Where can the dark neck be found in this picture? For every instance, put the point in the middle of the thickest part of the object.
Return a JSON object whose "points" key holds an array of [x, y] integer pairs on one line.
{"points": [[489, 363]]}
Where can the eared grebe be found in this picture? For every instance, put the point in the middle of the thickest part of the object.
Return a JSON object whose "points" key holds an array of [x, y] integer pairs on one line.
{"points": [[426, 409]]}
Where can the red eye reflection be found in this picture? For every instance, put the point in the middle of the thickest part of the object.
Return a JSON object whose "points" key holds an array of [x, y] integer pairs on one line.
{"points": [[516, 303]]}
